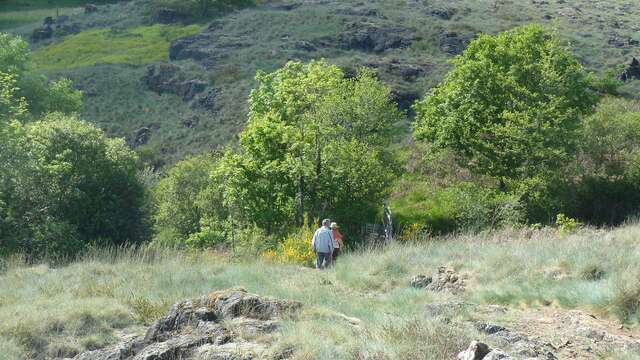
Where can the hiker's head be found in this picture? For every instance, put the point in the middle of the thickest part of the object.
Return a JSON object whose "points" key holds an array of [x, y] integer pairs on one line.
{"points": [[334, 225], [326, 222]]}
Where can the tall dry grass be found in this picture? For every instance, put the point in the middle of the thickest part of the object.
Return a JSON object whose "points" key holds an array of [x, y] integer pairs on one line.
{"points": [[89, 303]]}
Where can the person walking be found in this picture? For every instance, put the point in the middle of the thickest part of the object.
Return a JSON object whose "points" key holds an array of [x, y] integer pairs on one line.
{"points": [[322, 244], [337, 241]]}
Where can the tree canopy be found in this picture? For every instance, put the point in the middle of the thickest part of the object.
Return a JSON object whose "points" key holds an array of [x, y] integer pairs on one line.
{"points": [[511, 106]]}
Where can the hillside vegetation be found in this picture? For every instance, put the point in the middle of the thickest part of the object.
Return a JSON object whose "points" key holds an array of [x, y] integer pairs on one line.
{"points": [[60, 311], [159, 152]]}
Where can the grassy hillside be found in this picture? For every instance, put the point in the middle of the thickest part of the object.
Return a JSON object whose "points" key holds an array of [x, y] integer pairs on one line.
{"points": [[85, 305], [264, 37]]}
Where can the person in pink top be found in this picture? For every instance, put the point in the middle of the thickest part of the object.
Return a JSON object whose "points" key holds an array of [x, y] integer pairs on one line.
{"points": [[337, 238]]}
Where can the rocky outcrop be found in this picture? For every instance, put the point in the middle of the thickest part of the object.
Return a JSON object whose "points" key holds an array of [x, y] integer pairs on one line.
{"points": [[169, 78], [453, 43], [632, 72], [223, 325], [443, 280], [374, 38]]}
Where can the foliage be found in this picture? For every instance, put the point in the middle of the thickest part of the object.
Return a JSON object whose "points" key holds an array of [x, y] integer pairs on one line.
{"points": [[295, 248], [75, 187], [180, 199], [41, 95], [566, 224], [428, 209], [314, 143], [63, 98], [12, 106], [14, 53], [140, 45], [511, 105]]}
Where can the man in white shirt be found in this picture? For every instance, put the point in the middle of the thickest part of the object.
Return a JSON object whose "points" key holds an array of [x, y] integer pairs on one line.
{"points": [[323, 245]]}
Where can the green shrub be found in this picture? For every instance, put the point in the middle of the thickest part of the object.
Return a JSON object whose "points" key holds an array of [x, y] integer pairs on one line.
{"points": [[465, 206], [566, 224]]}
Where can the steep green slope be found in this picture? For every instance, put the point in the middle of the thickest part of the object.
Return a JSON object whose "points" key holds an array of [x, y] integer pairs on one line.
{"points": [[408, 42]]}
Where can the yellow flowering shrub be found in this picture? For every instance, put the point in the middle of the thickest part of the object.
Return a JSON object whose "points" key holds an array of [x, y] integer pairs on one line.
{"points": [[295, 249]]}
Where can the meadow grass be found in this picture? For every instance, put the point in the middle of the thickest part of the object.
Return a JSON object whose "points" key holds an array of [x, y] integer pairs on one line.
{"points": [[136, 46], [90, 302]]}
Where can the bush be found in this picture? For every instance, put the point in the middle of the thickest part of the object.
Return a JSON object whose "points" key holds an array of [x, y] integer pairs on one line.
{"points": [[295, 249], [566, 224], [463, 206], [183, 197], [74, 186]]}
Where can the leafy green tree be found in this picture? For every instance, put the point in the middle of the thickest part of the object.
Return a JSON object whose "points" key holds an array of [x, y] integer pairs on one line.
{"points": [[301, 117], [511, 106], [41, 95], [78, 187], [183, 197], [14, 54], [607, 182]]}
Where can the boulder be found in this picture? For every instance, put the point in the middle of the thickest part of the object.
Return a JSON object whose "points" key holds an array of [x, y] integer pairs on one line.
{"points": [[475, 351], [632, 72], [227, 324], [90, 9], [374, 38]]}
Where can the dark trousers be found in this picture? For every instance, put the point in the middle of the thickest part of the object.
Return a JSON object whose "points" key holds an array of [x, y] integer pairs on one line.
{"points": [[323, 260]]}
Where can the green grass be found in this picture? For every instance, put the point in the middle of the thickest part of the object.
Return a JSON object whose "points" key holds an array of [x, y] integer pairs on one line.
{"points": [[136, 46], [88, 303]]}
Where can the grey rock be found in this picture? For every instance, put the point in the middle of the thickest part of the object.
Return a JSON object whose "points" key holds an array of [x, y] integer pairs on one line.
{"points": [[497, 354], [475, 351]]}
